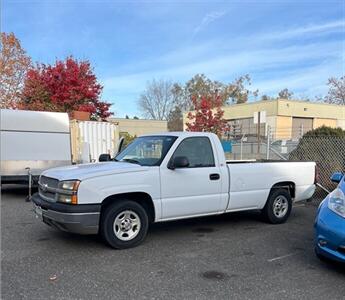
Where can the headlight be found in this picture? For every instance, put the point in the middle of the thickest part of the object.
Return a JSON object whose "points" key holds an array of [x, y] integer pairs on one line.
{"points": [[67, 191], [70, 185], [336, 202], [65, 198]]}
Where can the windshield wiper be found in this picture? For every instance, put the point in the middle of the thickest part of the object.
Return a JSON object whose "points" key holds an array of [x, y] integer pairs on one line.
{"points": [[131, 160]]}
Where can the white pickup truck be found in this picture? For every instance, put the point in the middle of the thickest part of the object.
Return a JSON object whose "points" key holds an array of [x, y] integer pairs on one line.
{"points": [[166, 177]]}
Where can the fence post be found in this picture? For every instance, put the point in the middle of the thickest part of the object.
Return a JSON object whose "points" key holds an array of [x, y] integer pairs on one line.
{"points": [[268, 142], [241, 149]]}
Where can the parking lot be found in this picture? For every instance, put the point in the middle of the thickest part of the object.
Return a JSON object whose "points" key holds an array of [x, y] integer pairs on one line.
{"points": [[230, 256]]}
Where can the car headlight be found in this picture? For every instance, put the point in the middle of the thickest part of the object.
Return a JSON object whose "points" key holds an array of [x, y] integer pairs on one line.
{"points": [[336, 202], [67, 191], [70, 185]]}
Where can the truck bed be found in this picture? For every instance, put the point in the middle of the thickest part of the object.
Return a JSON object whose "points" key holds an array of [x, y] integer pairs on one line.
{"points": [[251, 181]]}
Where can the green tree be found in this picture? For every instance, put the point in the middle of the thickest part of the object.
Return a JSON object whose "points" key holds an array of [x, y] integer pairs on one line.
{"points": [[128, 138], [285, 94], [325, 131], [238, 91], [175, 120], [266, 98], [201, 86]]}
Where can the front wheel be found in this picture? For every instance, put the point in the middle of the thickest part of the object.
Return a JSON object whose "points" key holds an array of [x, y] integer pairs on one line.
{"points": [[124, 224], [278, 206]]}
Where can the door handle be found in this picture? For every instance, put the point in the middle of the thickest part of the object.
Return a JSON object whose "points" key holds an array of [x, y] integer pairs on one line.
{"points": [[214, 176]]}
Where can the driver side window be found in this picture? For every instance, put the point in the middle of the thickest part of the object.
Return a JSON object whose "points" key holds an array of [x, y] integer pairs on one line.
{"points": [[198, 151]]}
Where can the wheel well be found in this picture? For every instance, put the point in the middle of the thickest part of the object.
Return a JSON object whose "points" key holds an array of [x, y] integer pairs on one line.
{"points": [[141, 198], [287, 185]]}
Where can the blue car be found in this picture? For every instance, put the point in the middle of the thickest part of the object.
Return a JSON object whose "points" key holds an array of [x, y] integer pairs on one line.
{"points": [[330, 223]]}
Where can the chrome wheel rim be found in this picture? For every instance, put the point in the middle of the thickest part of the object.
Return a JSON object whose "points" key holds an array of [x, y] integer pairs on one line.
{"points": [[280, 206], [126, 225]]}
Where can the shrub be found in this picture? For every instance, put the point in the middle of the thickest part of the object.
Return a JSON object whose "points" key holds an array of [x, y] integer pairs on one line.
{"points": [[325, 146]]}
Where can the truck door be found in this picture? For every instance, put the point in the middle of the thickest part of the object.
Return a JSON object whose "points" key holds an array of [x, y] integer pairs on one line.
{"points": [[192, 190]]}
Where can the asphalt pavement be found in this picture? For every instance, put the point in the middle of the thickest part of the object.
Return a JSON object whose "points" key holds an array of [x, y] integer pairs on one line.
{"points": [[234, 256]]}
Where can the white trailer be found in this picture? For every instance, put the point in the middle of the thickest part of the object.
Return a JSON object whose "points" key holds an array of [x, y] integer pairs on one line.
{"points": [[32, 141]]}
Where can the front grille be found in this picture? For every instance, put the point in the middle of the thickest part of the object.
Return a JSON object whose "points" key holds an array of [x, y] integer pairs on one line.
{"points": [[51, 182], [46, 184]]}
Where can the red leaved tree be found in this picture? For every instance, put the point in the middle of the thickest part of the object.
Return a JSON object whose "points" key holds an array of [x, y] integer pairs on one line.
{"points": [[66, 86], [207, 115]]}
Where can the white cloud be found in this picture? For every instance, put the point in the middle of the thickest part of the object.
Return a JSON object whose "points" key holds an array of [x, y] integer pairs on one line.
{"points": [[310, 81], [301, 67], [208, 19], [227, 65], [310, 29]]}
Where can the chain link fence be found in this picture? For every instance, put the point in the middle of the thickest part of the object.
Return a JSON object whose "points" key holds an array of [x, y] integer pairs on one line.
{"points": [[327, 151], [329, 154]]}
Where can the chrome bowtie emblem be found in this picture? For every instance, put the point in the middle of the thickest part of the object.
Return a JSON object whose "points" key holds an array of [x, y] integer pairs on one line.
{"points": [[44, 187]]}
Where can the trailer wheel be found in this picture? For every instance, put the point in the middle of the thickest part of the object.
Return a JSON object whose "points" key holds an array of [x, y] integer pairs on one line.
{"points": [[124, 224], [278, 206]]}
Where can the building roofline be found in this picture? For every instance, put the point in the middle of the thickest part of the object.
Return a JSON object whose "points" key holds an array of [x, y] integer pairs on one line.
{"points": [[283, 100], [131, 119]]}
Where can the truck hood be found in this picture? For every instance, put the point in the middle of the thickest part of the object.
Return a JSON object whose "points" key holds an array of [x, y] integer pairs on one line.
{"points": [[85, 171]]}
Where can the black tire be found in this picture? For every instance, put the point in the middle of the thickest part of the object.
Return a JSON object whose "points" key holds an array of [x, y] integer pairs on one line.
{"points": [[109, 216], [268, 211]]}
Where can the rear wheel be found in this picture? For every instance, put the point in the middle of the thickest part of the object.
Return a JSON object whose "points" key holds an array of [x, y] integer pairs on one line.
{"points": [[124, 224], [278, 206]]}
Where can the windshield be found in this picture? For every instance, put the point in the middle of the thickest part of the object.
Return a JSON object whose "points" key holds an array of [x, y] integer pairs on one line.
{"points": [[147, 150]]}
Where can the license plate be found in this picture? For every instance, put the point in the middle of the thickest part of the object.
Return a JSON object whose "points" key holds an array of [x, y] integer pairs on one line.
{"points": [[38, 212]]}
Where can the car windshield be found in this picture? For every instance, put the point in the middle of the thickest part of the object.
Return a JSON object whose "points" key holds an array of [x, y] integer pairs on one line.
{"points": [[147, 150]]}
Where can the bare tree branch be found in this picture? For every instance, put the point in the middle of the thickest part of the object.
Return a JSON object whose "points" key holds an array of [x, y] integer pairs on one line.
{"points": [[158, 100], [336, 92]]}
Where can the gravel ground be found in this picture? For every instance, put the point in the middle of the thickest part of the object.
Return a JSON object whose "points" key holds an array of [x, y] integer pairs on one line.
{"points": [[231, 256]]}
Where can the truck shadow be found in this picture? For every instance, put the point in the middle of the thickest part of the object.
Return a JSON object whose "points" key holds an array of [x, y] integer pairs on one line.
{"points": [[209, 224]]}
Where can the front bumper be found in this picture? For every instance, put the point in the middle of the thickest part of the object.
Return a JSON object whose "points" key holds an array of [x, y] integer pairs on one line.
{"points": [[81, 219], [330, 234]]}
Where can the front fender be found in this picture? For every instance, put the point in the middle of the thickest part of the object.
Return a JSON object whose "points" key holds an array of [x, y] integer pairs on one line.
{"points": [[95, 190]]}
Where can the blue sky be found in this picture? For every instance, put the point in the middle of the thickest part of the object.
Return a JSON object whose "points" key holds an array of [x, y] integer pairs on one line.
{"points": [[281, 44]]}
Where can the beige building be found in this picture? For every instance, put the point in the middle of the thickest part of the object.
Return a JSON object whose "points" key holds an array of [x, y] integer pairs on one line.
{"points": [[137, 127], [286, 119]]}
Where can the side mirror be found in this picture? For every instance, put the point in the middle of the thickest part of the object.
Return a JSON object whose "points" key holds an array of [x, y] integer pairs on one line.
{"points": [[336, 177], [104, 157], [178, 162]]}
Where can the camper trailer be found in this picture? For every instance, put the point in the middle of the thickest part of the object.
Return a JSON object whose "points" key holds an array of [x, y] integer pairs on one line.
{"points": [[31, 142]]}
